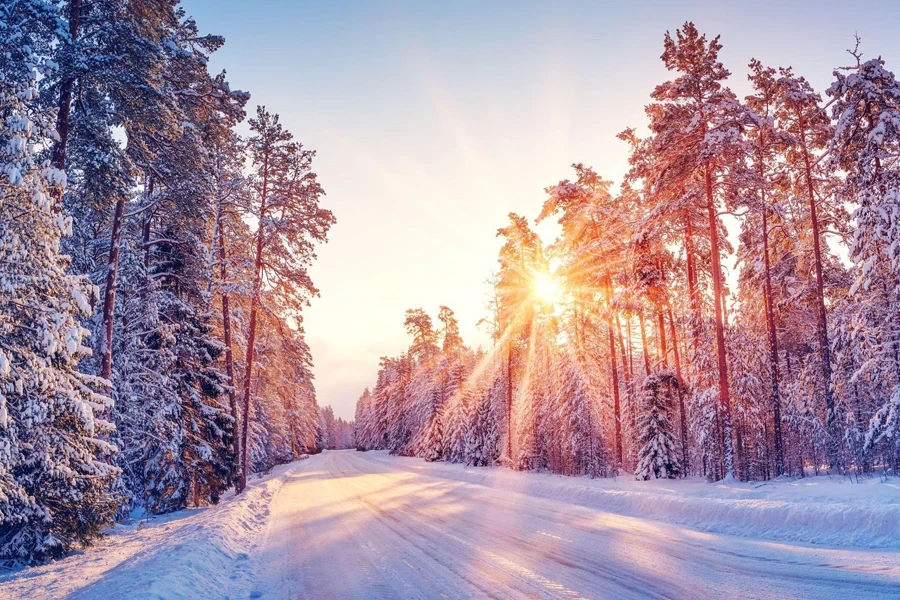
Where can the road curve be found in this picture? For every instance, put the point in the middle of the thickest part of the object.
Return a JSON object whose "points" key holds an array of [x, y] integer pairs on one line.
{"points": [[347, 526]]}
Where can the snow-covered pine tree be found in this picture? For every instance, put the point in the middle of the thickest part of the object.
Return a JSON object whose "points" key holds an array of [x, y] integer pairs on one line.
{"points": [[53, 431], [168, 248], [480, 434], [810, 132], [866, 146], [658, 455], [696, 124], [765, 143], [290, 223]]}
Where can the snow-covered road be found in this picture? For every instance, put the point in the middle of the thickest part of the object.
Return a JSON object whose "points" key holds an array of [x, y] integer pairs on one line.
{"points": [[352, 525], [370, 526]]}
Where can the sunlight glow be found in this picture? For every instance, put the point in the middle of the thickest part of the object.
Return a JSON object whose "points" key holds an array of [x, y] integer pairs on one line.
{"points": [[546, 287]]}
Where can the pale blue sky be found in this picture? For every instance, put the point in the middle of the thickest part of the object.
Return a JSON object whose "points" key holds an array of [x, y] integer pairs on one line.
{"points": [[432, 121]]}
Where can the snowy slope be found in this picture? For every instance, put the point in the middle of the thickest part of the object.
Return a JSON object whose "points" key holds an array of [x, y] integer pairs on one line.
{"points": [[353, 525], [188, 554]]}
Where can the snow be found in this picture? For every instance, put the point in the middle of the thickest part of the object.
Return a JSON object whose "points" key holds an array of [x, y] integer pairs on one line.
{"points": [[816, 510], [195, 553], [368, 525]]}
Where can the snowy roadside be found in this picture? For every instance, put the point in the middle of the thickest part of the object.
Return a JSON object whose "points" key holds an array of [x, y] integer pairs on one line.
{"points": [[194, 553], [816, 510]]}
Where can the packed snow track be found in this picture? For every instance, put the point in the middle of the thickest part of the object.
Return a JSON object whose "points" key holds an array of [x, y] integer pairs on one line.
{"points": [[350, 525]]}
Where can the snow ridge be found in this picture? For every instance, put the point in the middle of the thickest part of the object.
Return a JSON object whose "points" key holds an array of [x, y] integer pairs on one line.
{"points": [[203, 559]]}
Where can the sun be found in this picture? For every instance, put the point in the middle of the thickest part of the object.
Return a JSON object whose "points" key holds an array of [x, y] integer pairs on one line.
{"points": [[546, 288]]}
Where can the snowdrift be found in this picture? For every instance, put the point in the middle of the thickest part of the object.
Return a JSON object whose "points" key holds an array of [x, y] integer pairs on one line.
{"points": [[196, 553]]}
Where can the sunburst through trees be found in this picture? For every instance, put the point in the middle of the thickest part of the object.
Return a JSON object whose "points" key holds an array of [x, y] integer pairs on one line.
{"points": [[623, 346]]}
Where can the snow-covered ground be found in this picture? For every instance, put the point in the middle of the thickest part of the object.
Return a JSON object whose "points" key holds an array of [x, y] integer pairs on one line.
{"points": [[353, 525]]}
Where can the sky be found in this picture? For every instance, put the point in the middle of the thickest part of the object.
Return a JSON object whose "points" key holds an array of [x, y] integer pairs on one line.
{"points": [[433, 120]]}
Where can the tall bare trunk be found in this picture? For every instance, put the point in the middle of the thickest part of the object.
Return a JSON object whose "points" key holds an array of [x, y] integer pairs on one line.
{"points": [[109, 292], [617, 416], [226, 330], [821, 315], [682, 414], [724, 395], [693, 292], [509, 400], [644, 350], [773, 343], [661, 327], [251, 334], [628, 374]]}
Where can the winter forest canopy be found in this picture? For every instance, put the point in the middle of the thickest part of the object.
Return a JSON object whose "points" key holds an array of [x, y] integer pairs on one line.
{"points": [[153, 274], [626, 345]]}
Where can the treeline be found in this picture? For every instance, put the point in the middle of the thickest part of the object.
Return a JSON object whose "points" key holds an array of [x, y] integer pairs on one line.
{"points": [[336, 433], [652, 357], [153, 268]]}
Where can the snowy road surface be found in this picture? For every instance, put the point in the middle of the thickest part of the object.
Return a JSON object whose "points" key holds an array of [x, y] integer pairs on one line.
{"points": [[350, 525], [347, 525]]}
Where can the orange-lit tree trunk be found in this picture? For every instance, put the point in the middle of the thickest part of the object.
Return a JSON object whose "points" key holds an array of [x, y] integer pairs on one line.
{"points": [[773, 342], [661, 327], [724, 393], [677, 357], [509, 401], [693, 294], [617, 416], [251, 334], [821, 315], [644, 350]]}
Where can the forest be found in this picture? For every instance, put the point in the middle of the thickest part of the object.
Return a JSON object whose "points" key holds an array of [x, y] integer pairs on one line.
{"points": [[153, 268], [730, 310]]}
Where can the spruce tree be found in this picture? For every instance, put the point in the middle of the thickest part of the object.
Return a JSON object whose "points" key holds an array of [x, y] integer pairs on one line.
{"points": [[658, 455], [54, 431]]}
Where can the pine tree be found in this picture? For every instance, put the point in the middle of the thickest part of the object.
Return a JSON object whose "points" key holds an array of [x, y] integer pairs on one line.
{"points": [[865, 146], [290, 222], [801, 117], [658, 454], [697, 136]]}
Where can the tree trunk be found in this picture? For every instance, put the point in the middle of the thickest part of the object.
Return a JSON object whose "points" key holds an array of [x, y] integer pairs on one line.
{"points": [[773, 343], [677, 356], [693, 293], [644, 344], [629, 376], [661, 326], [821, 316], [509, 401], [617, 417], [724, 395], [109, 293], [58, 156], [251, 335], [229, 355]]}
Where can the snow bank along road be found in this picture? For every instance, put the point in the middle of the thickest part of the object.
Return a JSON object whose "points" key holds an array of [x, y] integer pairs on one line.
{"points": [[368, 526]]}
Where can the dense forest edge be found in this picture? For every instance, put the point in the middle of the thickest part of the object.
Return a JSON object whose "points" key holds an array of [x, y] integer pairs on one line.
{"points": [[153, 268]]}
